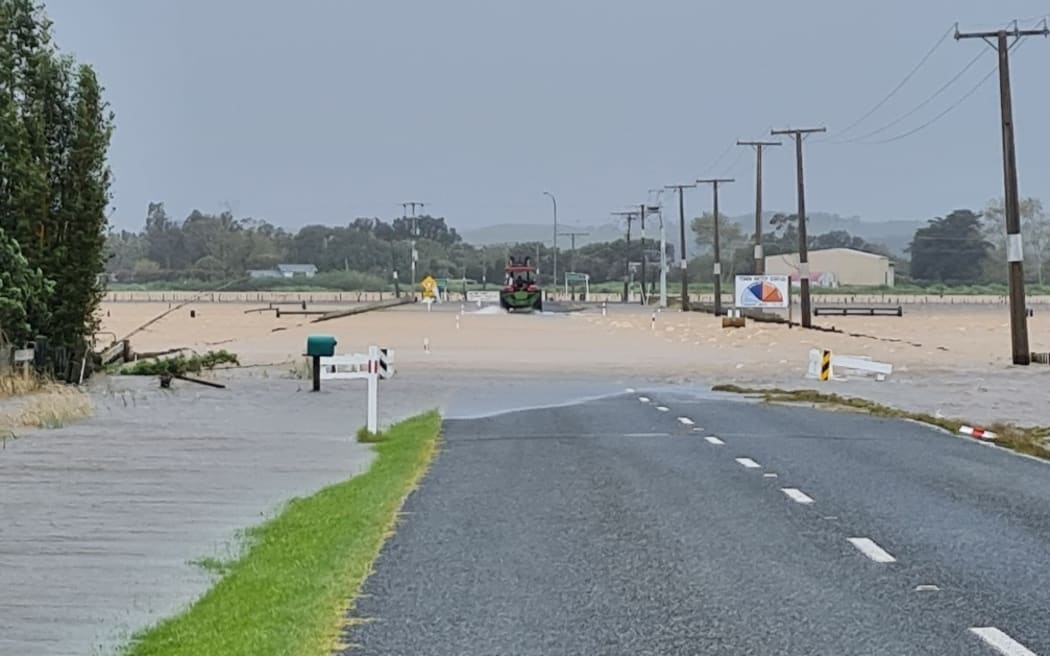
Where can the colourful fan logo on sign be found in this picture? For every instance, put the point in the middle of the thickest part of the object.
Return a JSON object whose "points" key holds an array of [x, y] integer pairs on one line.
{"points": [[762, 292]]}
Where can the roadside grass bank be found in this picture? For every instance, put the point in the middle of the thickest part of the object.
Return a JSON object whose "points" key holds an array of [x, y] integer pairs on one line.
{"points": [[1031, 441], [290, 590]]}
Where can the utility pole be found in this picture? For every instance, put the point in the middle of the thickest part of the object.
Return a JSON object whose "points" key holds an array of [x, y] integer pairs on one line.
{"points": [[803, 249], [572, 255], [717, 269], [658, 210], [572, 241], [641, 216], [1012, 204], [760, 262], [415, 232], [683, 262], [554, 269], [630, 216]]}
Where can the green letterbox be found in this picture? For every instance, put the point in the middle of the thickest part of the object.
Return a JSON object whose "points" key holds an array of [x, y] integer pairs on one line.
{"points": [[320, 346]]}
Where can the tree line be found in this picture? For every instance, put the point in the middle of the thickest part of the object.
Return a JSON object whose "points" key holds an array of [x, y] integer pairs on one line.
{"points": [[55, 131], [966, 247], [218, 248]]}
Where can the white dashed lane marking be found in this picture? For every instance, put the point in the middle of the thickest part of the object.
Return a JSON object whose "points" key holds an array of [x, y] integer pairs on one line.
{"points": [[868, 547], [749, 463], [769, 475], [686, 420], [714, 440], [662, 408], [1001, 642], [643, 399], [630, 390], [796, 495]]}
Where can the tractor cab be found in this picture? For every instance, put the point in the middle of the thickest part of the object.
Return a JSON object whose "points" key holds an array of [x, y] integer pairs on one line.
{"points": [[520, 277]]}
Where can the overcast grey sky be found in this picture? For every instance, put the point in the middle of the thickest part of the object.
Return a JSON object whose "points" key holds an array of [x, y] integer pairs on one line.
{"points": [[323, 110]]}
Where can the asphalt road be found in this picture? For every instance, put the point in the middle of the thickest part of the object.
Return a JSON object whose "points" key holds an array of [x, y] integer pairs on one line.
{"points": [[666, 524]]}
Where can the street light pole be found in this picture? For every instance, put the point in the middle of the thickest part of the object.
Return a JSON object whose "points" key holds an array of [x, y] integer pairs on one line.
{"points": [[554, 270]]}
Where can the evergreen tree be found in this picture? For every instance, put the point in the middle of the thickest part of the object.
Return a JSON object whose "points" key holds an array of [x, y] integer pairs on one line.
{"points": [[80, 239], [24, 293], [54, 181]]}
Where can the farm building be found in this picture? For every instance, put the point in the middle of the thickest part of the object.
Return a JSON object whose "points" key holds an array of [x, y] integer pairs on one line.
{"points": [[834, 267]]}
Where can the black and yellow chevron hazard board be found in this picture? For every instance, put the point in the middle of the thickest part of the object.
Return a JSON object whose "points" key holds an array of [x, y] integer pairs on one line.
{"points": [[825, 365]]}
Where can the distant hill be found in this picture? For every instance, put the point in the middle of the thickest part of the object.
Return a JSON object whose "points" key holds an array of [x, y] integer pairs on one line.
{"points": [[895, 235]]}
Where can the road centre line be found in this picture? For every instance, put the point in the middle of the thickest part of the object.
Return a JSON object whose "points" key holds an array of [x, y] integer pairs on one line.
{"points": [[749, 463], [873, 551], [1001, 642], [796, 495]]}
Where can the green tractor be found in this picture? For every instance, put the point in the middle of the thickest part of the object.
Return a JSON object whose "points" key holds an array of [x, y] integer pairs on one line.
{"points": [[520, 291]]}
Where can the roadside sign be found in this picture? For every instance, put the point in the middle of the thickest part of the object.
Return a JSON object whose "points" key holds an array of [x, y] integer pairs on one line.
{"points": [[24, 355], [484, 297], [761, 291], [429, 287]]}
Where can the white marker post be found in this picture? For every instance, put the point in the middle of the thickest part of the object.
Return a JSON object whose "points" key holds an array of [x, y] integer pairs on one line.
{"points": [[373, 384]]}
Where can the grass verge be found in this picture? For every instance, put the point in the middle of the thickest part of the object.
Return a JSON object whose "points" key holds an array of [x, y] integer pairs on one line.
{"points": [[1032, 441], [288, 593]]}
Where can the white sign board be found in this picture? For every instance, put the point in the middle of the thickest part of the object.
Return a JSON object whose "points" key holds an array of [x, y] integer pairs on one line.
{"points": [[24, 355], [761, 291], [484, 297]]}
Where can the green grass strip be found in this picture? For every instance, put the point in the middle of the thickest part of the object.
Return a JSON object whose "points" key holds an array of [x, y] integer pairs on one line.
{"points": [[1032, 441], [289, 593]]}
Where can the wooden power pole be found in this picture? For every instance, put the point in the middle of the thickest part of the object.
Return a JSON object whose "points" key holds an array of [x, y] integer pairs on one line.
{"points": [[683, 263], [630, 216], [1012, 203], [760, 261], [803, 249], [572, 235], [717, 269]]}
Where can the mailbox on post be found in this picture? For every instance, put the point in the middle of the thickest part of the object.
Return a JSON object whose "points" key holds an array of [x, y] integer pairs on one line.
{"points": [[317, 347]]}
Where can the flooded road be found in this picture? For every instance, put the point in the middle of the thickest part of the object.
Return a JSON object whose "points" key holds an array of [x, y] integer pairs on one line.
{"points": [[103, 520]]}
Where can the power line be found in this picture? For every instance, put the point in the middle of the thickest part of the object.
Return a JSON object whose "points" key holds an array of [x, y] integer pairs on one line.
{"points": [[918, 107], [946, 111], [719, 158], [899, 86], [736, 162]]}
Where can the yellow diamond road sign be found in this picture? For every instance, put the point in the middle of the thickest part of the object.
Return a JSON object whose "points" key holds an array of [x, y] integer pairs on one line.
{"points": [[429, 286]]}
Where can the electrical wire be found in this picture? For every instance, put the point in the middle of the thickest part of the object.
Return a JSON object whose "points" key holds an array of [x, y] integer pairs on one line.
{"points": [[1015, 45], [736, 162], [719, 158], [939, 116], [901, 84], [936, 94]]}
